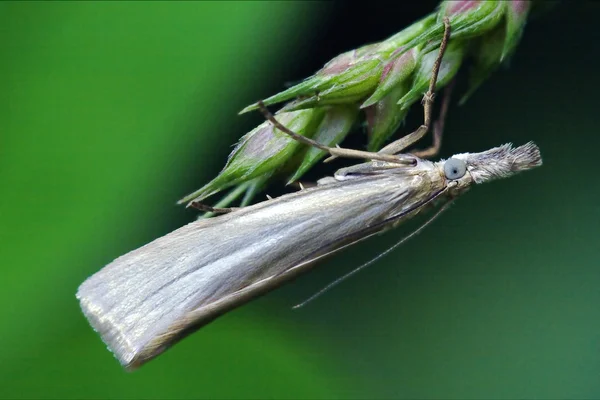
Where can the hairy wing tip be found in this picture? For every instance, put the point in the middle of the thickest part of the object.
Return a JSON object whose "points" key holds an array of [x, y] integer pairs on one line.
{"points": [[526, 157]]}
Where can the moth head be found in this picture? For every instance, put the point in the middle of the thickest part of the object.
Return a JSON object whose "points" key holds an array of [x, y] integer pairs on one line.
{"points": [[496, 163]]}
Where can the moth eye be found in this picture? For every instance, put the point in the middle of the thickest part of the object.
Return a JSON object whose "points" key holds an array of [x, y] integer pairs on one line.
{"points": [[454, 168]]}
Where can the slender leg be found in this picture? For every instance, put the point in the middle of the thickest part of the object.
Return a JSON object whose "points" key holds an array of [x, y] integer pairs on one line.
{"points": [[438, 127], [408, 140], [303, 185], [334, 151], [388, 153], [203, 207]]}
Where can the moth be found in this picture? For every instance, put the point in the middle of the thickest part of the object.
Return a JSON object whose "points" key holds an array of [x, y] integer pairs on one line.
{"points": [[148, 299]]}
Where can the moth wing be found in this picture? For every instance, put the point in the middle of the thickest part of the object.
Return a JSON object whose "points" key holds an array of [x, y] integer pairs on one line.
{"points": [[147, 299]]}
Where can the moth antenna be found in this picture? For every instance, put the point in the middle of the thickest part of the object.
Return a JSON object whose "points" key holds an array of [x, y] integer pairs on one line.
{"points": [[373, 260]]}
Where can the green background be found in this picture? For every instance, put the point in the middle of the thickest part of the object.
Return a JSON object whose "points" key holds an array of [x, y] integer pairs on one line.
{"points": [[110, 112]]}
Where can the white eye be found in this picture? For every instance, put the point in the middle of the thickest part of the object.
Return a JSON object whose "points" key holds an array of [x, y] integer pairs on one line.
{"points": [[454, 168]]}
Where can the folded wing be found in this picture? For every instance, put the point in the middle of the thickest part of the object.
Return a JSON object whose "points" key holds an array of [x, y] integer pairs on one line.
{"points": [[147, 299]]}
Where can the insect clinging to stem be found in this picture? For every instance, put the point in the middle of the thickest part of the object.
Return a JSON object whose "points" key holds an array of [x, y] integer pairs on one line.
{"points": [[148, 299]]}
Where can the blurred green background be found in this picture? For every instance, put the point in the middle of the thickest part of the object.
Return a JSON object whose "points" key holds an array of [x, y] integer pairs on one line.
{"points": [[112, 111]]}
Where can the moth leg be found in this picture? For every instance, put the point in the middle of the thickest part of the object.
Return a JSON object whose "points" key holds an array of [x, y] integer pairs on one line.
{"points": [[203, 207], [408, 140], [335, 151], [438, 127], [303, 185], [389, 152]]}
